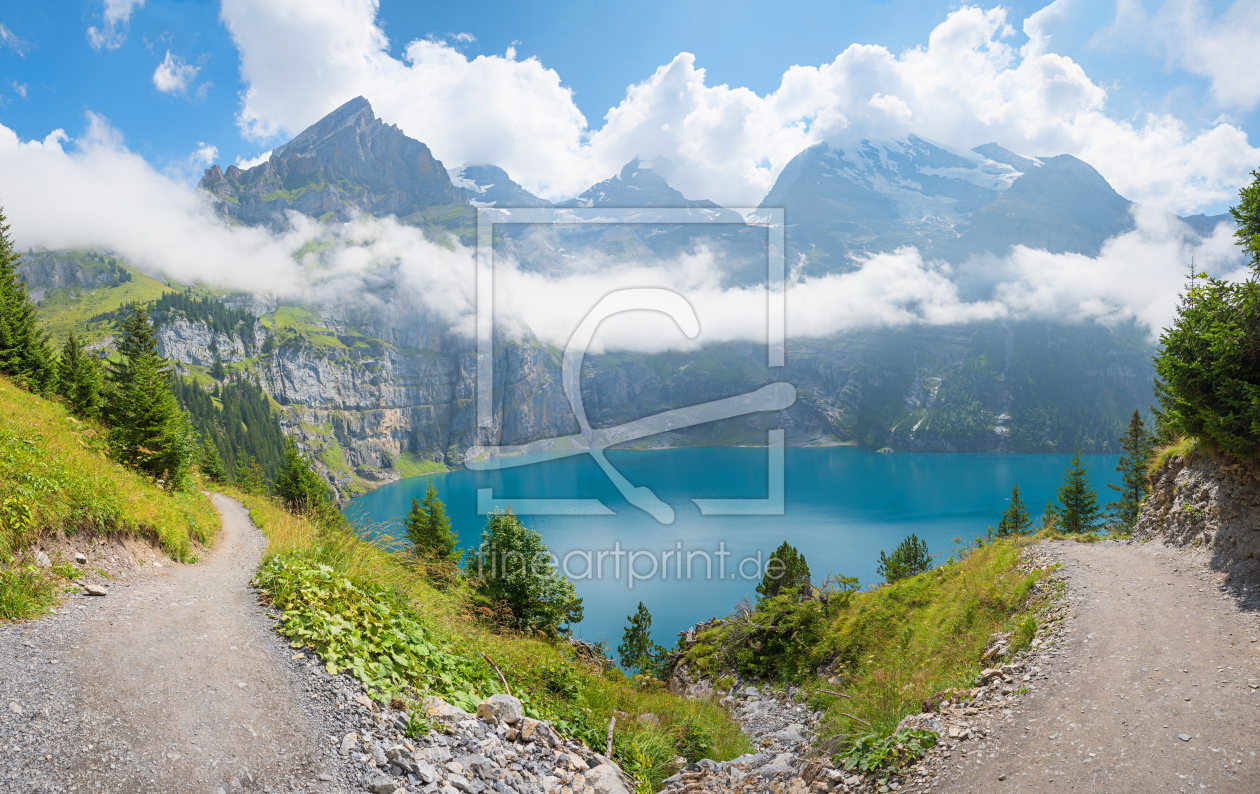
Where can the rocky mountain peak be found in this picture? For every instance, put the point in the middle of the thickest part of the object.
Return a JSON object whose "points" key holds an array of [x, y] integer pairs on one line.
{"points": [[637, 185], [349, 160], [490, 186]]}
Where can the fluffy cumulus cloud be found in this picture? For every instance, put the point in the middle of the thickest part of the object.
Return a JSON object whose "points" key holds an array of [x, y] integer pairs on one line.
{"points": [[1221, 48], [93, 192], [114, 32], [173, 75], [968, 85]]}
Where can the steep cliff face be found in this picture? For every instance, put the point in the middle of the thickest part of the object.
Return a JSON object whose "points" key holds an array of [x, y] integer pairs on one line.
{"points": [[194, 342], [1211, 507]]}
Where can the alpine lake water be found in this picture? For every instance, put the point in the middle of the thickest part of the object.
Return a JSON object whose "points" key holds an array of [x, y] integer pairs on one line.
{"points": [[842, 506]]}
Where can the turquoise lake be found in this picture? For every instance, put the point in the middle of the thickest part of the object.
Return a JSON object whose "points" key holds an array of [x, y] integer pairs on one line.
{"points": [[842, 507]]}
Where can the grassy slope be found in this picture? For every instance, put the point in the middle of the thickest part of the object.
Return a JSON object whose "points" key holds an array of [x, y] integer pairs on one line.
{"points": [[55, 477], [558, 683], [887, 649], [65, 310]]}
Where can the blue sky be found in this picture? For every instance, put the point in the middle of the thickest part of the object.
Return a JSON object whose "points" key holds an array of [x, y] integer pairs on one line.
{"points": [[53, 76]]}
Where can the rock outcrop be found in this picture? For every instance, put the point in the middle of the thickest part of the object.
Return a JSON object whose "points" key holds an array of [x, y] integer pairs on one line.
{"points": [[1209, 505]]}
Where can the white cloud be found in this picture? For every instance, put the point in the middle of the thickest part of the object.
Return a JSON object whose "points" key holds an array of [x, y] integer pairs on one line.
{"points": [[1221, 48], [19, 88], [966, 86], [11, 40], [117, 18], [94, 192], [464, 37], [173, 75], [245, 163]]}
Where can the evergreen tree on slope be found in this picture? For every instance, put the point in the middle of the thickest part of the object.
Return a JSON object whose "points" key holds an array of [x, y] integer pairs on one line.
{"points": [[148, 431], [1077, 509], [24, 352], [1134, 487], [79, 379]]}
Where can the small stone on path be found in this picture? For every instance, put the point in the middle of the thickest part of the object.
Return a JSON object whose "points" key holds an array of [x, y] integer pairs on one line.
{"points": [[95, 590]]}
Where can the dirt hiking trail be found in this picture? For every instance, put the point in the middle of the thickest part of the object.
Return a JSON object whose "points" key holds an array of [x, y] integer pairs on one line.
{"points": [[1150, 693], [174, 683]]}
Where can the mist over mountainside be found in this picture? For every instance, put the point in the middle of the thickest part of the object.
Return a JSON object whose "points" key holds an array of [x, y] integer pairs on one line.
{"points": [[379, 383]]}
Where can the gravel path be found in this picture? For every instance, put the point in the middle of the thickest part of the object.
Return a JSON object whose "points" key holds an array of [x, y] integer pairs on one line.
{"points": [[174, 682], [1151, 692]]}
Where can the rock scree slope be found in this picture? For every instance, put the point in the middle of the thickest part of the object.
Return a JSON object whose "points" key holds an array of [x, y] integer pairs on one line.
{"points": [[174, 682]]}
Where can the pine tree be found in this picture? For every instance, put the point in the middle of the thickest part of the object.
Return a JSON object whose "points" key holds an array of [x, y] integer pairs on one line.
{"points": [[786, 572], [216, 369], [25, 354], [249, 476], [637, 651], [79, 379], [1077, 510], [1015, 521], [148, 431], [297, 483], [910, 558], [1134, 486], [429, 529], [210, 463]]}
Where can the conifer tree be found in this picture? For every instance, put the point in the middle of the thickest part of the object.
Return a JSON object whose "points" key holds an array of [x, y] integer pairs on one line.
{"points": [[637, 651], [297, 483], [210, 463], [1077, 510], [216, 369], [148, 431], [249, 475], [429, 528], [25, 354], [79, 379], [1015, 521], [1134, 486], [786, 571], [910, 558]]}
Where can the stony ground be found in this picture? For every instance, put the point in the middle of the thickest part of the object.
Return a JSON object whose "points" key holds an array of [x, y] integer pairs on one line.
{"points": [[1155, 689], [1145, 677], [174, 681]]}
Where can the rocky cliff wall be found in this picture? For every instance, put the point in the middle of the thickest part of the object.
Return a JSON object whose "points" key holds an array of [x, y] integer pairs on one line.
{"points": [[1211, 507]]}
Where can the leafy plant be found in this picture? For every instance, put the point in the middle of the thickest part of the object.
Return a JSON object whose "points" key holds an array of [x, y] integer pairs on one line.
{"points": [[360, 629], [692, 741], [875, 753]]}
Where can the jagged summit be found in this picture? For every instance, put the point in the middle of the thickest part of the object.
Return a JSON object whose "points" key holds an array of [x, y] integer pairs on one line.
{"points": [[490, 186], [347, 161], [638, 185]]}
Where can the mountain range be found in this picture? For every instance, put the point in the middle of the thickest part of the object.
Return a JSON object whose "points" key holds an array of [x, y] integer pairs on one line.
{"points": [[381, 390]]}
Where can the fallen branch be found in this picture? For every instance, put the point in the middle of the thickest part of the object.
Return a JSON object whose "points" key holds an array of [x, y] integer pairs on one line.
{"points": [[837, 694], [859, 719], [497, 670]]}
